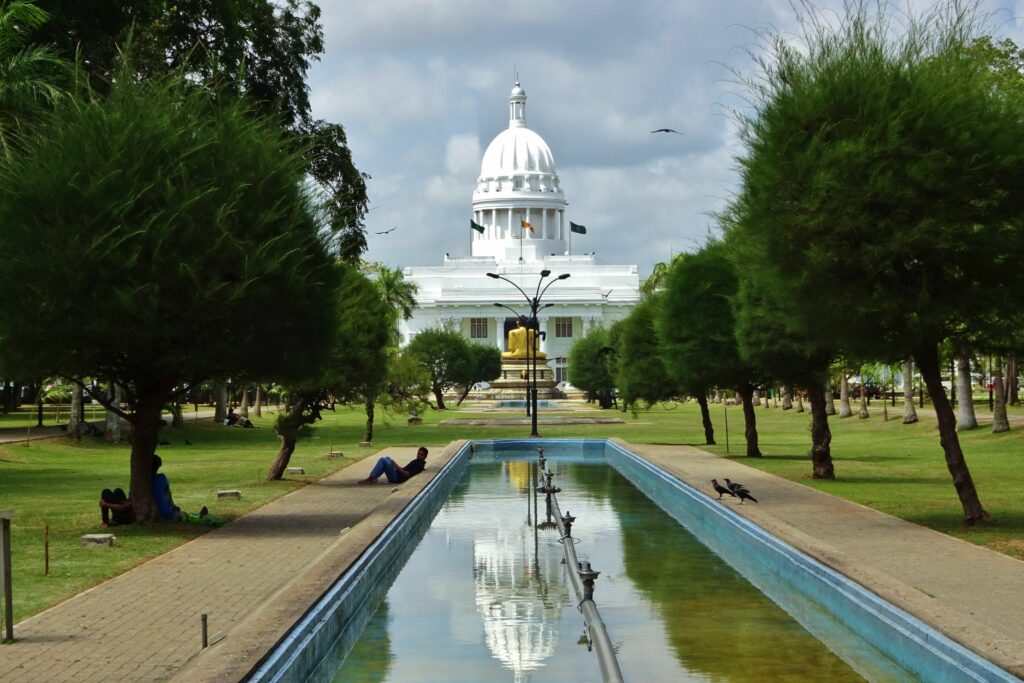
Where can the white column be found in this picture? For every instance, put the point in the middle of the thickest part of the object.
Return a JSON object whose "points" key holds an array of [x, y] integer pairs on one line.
{"points": [[547, 333], [561, 224], [493, 227], [529, 221], [509, 222], [498, 329], [544, 223]]}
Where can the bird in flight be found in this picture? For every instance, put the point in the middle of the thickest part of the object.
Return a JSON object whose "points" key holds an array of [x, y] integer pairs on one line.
{"points": [[666, 130], [605, 294], [384, 232]]}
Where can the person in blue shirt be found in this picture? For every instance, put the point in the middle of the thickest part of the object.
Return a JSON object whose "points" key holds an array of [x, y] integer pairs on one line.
{"points": [[393, 472], [162, 493]]}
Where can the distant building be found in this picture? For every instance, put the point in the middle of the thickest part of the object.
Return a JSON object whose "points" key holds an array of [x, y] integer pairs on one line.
{"points": [[520, 205]]}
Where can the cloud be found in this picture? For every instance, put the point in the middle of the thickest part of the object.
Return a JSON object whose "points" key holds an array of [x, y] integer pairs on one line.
{"points": [[421, 88]]}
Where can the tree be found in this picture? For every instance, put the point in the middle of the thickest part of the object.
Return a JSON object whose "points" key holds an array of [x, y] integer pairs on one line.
{"points": [[445, 354], [697, 331], [178, 221], [356, 366], [769, 339], [399, 299], [32, 77], [484, 365], [587, 368], [890, 161], [641, 372], [259, 50]]}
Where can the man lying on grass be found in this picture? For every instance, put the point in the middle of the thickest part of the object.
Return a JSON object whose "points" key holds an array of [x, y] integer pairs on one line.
{"points": [[394, 473]]}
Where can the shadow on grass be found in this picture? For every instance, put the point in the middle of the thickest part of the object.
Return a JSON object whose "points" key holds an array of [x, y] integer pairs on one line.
{"points": [[1002, 521]]}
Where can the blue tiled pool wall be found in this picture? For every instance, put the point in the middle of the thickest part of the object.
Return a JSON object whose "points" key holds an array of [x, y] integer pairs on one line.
{"points": [[315, 647], [812, 593]]}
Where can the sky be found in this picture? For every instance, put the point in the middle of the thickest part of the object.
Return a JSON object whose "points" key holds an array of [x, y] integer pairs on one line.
{"points": [[422, 87]]}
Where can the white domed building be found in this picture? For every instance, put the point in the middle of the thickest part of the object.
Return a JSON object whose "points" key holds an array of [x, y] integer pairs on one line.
{"points": [[520, 205]]}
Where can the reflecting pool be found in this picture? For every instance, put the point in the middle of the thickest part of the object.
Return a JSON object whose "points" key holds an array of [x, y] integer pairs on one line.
{"points": [[520, 403], [484, 597]]}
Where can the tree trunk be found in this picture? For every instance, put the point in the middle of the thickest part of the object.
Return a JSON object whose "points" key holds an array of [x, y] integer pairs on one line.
{"points": [[830, 399], [909, 411], [1000, 422], [821, 435], [928, 362], [177, 419], [844, 397], [146, 424], [1011, 380], [439, 397], [288, 431], [75, 414], [756, 399], [705, 417], [863, 413], [787, 398], [370, 409], [749, 420], [799, 402], [244, 409], [220, 410], [112, 431], [258, 408], [462, 397], [718, 395], [965, 417]]}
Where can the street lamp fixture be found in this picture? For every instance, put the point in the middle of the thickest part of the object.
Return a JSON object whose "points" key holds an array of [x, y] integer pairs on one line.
{"points": [[531, 352]]}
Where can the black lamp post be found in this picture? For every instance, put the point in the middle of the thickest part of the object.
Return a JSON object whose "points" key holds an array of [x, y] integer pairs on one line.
{"points": [[531, 352]]}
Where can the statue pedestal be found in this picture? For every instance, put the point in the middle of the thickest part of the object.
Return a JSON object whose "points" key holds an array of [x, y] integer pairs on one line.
{"points": [[512, 382]]}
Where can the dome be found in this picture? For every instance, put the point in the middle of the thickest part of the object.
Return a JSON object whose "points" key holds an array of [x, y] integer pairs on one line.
{"points": [[518, 159], [516, 151]]}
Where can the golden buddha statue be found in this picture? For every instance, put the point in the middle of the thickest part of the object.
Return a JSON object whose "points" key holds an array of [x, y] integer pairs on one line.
{"points": [[519, 341]]}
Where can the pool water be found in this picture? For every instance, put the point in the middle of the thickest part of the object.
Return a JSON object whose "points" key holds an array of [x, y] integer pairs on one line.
{"points": [[484, 596], [520, 403]]}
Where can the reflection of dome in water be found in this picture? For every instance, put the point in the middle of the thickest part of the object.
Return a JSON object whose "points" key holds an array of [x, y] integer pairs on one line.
{"points": [[520, 601]]}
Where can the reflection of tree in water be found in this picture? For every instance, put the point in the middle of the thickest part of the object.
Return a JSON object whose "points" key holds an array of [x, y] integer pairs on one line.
{"points": [[519, 596], [717, 623], [372, 652]]}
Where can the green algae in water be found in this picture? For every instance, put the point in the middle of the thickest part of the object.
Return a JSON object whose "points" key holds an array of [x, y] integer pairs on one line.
{"points": [[484, 596]]}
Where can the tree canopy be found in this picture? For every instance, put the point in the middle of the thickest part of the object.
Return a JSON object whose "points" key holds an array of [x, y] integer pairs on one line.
{"points": [[588, 364], [446, 355], [176, 222], [889, 161]]}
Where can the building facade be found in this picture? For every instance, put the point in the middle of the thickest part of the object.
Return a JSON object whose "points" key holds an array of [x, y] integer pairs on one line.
{"points": [[520, 205]]}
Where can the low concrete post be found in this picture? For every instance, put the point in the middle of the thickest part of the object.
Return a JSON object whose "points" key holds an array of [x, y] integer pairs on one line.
{"points": [[5, 573]]}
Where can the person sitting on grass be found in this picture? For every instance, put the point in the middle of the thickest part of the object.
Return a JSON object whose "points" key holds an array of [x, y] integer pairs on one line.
{"points": [[394, 473], [165, 501], [115, 508]]}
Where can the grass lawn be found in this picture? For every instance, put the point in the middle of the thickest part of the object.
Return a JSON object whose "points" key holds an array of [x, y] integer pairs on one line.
{"points": [[892, 467]]}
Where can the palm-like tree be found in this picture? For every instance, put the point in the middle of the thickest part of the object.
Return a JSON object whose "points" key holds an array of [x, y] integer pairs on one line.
{"points": [[398, 294], [31, 76]]}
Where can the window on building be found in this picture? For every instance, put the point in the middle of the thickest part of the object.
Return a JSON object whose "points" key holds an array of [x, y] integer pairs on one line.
{"points": [[478, 328], [563, 327]]}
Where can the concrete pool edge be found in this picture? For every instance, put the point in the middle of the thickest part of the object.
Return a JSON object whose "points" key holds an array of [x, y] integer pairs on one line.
{"points": [[778, 537], [298, 653]]}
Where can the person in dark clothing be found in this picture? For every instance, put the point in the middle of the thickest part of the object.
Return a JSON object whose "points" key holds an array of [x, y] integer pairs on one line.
{"points": [[393, 472], [115, 508]]}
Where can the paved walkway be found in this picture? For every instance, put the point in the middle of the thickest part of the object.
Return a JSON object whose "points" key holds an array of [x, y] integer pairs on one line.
{"points": [[252, 577], [20, 434], [259, 574]]}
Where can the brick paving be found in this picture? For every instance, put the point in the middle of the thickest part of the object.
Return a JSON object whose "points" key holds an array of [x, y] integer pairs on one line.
{"points": [[145, 623], [258, 575]]}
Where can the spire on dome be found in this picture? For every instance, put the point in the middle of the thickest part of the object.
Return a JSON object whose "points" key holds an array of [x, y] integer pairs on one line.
{"points": [[517, 107]]}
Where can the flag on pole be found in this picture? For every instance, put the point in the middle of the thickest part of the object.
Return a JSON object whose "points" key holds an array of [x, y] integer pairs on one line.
{"points": [[476, 226], [526, 226], [580, 229]]}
